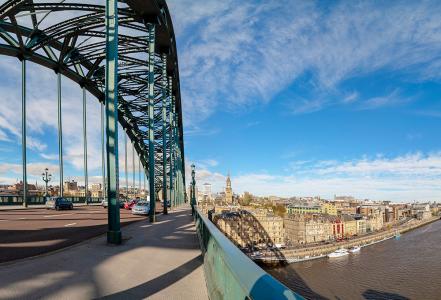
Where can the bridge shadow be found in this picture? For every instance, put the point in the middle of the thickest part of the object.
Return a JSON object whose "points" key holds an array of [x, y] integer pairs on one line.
{"points": [[260, 235], [171, 238], [378, 295], [245, 230], [159, 283]]}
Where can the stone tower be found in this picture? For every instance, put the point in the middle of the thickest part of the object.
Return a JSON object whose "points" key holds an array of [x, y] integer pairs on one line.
{"points": [[228, 191]]}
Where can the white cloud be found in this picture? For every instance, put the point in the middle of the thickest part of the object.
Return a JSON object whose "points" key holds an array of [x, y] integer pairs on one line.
{"points": [[238, 53], [409, 177], [352, 97]]}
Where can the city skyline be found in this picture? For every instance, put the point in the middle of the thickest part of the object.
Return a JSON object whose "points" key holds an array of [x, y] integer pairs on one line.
{"points": [[337, 104]]}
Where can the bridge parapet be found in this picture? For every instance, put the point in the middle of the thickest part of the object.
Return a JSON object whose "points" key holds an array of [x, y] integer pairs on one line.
{"points": [[39, 200], [229, 273]]}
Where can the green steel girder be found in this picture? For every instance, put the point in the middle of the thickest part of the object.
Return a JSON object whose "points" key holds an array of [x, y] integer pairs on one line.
{"points": [[74, 47]]}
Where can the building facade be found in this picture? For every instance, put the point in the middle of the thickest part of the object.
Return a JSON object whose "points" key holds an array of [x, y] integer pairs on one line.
{"points": [[307, 228]]}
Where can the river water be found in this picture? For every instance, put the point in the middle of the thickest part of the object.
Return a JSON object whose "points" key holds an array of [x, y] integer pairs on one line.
{"points": [[408, 268]]}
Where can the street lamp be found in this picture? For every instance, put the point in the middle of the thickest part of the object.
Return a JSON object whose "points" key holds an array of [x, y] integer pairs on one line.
{"points": [[46, 178], [193, 190]]}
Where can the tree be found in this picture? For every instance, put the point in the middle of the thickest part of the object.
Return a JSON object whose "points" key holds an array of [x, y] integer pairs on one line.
{"points": [[246, 199]]}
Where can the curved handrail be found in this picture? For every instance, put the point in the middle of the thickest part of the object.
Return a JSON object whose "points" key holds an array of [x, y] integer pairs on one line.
{"points": [[229, 273]]}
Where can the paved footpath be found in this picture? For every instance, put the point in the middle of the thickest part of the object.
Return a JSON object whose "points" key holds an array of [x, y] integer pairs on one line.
{"points": [[156, 261]]}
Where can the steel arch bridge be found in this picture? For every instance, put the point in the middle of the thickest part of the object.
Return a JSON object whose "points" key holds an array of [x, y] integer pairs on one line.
{"points": [[123, 53]]}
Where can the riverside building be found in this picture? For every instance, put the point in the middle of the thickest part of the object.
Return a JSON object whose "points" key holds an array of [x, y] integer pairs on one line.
{"points": [[247, 228], [307, 228]]}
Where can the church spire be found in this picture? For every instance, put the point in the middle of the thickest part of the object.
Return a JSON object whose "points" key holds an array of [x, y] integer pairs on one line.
{"points": [[228, 190]]}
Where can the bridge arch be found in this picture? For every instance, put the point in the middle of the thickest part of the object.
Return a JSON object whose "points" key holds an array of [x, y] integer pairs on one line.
{"points": [[68, 37]]}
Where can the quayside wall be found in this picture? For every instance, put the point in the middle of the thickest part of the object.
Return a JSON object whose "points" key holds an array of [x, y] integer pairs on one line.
{"points": [[291, 255]]}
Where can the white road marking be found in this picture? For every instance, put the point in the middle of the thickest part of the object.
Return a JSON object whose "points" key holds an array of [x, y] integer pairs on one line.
{"points": [[22, 218], [51, 216], [71, 224]]}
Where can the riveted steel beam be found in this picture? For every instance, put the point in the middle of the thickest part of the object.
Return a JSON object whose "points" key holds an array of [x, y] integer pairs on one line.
{"points": [[151, 102], [111, 93], [23, 132], [75, 48]]}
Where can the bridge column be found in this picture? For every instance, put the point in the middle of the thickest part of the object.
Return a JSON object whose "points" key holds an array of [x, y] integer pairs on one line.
{"points": [[103, 152], [125, 165], [111, 94], [143, 183], [151, 83], [171, 143], [60, 135], [173, 149], [23, 132], [133, 171], [164, 132], [139, 177], [86, 177]]}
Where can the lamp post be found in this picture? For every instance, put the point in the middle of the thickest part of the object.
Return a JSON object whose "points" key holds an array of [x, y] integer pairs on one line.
{"points": [[193, 190], [46, 178]]}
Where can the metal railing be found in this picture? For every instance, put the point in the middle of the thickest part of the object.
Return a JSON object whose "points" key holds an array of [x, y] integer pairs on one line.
{"points": [[229, 273], [41, 200]]}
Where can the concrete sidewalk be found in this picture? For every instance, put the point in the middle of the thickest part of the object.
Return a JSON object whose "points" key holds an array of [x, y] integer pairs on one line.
{"points": [[156, 261]]}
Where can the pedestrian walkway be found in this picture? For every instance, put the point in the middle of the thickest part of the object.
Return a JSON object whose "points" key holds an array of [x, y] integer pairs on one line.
{"points": [[155, 261]]}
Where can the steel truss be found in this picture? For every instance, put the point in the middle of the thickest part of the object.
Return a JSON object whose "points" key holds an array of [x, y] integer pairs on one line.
{"points": [[70, 38]]}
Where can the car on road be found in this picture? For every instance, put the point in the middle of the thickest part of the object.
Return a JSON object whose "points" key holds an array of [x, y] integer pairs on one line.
{"points": [[58, 203], [141, 208], [105, 203], [130, 204]]}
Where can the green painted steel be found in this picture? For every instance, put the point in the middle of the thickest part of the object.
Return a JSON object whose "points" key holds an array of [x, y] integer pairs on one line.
{"points": [[164, 133], [133, 171], [111, 92], [170, 141], [175, 154], [86, 177], [139, 177], [229, 273], [151, 133], [60, 46], [60, 135], [125, 165], [23, 132], [103, 151]]}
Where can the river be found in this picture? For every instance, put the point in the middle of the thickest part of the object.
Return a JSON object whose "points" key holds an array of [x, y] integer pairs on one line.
{"points": [[408, 268]]}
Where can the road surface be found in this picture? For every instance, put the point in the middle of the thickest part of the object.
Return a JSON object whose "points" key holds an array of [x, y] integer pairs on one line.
{"points": [[34, 231]]}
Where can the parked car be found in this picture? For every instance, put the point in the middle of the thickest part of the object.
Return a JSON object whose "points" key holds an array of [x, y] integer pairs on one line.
{"points": [[105, 203], [141, 208], [130, 204], [168, 203], [58, 203]]}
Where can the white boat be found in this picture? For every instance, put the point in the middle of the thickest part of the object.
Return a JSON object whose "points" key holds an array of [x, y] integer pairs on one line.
{"points": [[338, 253], [355, 249]]}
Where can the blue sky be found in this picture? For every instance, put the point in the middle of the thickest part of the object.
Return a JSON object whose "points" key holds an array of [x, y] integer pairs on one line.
{"points": [[291, 97]]}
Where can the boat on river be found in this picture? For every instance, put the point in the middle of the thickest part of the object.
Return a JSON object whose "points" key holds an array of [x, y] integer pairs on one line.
{"points": [[355, 249], [338, 253]]}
